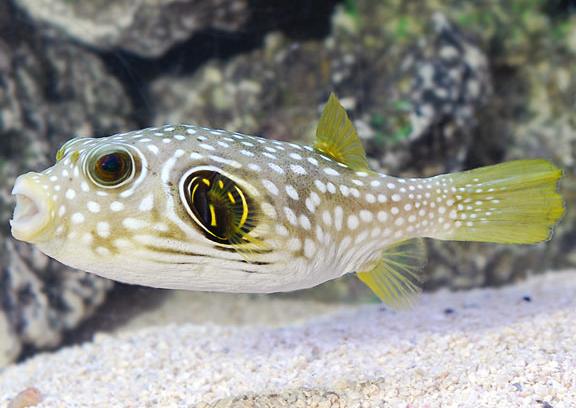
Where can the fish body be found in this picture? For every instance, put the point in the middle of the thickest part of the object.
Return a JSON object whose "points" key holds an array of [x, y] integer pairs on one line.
{"points": [[187, 207]]}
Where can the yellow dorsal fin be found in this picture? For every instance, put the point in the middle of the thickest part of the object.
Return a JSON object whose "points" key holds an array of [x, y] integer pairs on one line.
{"points": [[395, 277], [337, 138]]}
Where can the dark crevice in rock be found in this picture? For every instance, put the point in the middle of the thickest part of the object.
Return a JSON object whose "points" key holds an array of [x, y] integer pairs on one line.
{"points": [[560, 9], [123, 303], [302, 19], [15, 26], [491, 134], [299, 19], [136, 73]]}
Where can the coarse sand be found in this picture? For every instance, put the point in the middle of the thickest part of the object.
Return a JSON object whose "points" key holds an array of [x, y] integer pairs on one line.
{"points": [[509, 347]]}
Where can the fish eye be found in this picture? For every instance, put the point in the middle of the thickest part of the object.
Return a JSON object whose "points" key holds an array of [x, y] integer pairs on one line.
{"points": [[111, 168], [219, 206]]}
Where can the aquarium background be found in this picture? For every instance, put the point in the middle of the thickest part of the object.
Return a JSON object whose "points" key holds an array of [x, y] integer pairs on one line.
{"points": [[432, 87]]}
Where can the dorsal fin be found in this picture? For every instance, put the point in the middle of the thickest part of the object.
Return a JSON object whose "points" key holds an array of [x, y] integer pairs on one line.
{"points": [[337, 138], [395, 277]]}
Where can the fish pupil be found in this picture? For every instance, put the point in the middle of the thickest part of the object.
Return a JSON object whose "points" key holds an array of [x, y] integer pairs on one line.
{"points": [[113, 168], [111, 163]]}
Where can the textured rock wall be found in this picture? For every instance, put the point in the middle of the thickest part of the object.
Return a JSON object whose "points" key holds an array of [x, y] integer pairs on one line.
{"points": [[50, 90]]}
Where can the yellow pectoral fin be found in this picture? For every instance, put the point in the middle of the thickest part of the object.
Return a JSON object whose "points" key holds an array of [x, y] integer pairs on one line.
{"points": [[337, 138], [395, 278]]}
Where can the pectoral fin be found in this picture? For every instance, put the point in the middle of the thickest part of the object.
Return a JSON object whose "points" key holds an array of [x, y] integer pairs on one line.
{"points": [[395, 277], [337, 138]]}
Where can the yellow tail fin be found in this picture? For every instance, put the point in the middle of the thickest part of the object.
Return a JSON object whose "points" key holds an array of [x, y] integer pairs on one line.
{"points": [[514, 203]]}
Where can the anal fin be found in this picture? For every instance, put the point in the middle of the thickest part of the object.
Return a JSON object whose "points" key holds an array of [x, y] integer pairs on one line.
{"points": [[395, 277]]}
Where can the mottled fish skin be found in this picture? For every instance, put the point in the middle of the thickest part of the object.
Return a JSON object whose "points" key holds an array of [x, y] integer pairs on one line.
{"points": [[321, 219]]}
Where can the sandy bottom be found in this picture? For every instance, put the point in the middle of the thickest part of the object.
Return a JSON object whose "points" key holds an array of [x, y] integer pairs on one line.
{"points": [[510, 347]]}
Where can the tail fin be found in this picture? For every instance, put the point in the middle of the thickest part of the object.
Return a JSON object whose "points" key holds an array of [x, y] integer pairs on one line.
{"points": [[515, 203]]}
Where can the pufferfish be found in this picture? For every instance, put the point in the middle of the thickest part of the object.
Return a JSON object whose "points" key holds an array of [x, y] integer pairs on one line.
{"points": [[187, 207]]}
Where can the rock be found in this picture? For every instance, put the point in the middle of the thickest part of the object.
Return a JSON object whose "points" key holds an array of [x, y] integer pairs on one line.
{"points": [[30, 397], [10, 345], [144, 27], [450, 82], [151, 28], [49, 92]]}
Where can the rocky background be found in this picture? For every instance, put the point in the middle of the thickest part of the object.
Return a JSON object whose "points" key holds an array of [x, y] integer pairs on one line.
{"points": [[433, 87]]}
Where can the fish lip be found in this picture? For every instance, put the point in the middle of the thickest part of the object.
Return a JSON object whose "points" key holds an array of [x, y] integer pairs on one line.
{"points": [[32, 213]]}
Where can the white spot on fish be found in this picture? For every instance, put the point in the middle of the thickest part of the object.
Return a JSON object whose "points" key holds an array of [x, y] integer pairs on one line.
{"points": [[103, 229], [338, 217], [290, 216], [331, 172], [282, 230], [366, 215], [270, 186], [153, 149], [327, 218], [134, 223], [298, 169], [93, 206], [294, 244], [206, 146], [382, 216], [309, 248], [147, 203], [78, 218], [102, 251], [87, 238], [353, 222], [313, 161], [116, 206], [320, 186], [331, 187], [70, 194], [305, 222], [276, 168], [291, 191]]}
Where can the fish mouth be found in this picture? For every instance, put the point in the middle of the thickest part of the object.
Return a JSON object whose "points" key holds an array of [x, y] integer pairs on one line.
{"points": [[33, 212]]}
